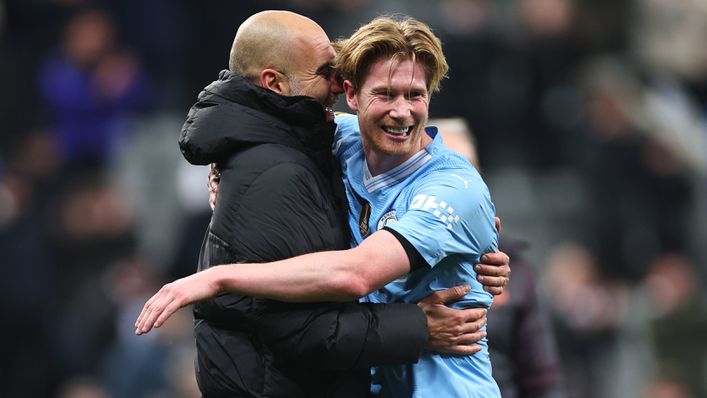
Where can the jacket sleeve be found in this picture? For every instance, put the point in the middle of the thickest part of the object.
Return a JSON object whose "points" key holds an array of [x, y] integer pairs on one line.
{"points": [[340, 336], [284, 212]]}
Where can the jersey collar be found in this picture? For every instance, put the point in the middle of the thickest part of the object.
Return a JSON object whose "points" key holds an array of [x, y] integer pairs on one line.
{"points": [[402, 171]]}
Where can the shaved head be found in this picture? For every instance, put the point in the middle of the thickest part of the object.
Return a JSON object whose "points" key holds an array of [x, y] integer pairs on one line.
{"points": [[272, 39]]}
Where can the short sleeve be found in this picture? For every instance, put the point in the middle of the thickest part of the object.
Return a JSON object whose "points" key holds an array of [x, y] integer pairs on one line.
{"points": [[449, 213]]}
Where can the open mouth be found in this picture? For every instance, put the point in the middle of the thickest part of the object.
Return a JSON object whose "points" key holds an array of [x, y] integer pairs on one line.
{"points": [[398, 132]]}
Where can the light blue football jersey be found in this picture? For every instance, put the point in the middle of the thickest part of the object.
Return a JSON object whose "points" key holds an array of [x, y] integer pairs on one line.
{"points": [[440, 204]]}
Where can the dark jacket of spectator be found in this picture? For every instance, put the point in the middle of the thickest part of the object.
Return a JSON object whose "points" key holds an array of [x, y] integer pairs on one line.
{"points": [[521, 340], [280, 196]]}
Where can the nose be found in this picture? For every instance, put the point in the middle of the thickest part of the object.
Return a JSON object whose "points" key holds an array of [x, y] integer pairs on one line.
{"points": [[400, 108]]}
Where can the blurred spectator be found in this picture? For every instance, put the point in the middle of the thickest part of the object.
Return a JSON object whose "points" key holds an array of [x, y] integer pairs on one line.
{"points": [[669, 36], [640, 192], [513, 79], [473, 51], [181, 382], [679, 325], [15, 109], [136, 367], [666, 387], [82, 387], [587, 310], [151, 171], [159, 30], [94, 228], [522, 343], [91, 86], [27, 289]]}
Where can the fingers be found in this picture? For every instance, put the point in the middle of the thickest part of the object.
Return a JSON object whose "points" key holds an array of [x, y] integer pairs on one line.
{"points": [[493, 284], [496, 259], [473, 318], [148, 315], [470, 338], [492, 280], [494, 290], [465, 344], [463, 338], [212, 199], [494, 273], [469, 328], [462, 349], [213, 181], [492, 270], [447, 295], [157, 310], [499, 225]]}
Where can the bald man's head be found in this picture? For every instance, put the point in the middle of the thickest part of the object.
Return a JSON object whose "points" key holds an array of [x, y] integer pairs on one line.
{"points": [[272, 39]]}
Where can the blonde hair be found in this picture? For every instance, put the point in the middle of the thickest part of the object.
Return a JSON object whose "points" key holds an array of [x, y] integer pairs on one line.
{"points": [[395, 39]]}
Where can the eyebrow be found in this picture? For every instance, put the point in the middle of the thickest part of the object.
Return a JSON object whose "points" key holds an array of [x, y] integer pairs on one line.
{"points": [[325, 67]]}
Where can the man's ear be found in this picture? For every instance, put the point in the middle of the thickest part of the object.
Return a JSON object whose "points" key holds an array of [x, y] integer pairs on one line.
{"points": [[351, 99], [274, 81]]}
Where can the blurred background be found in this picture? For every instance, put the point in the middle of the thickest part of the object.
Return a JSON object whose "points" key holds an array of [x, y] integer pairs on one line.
{"points": [[590, 117]]}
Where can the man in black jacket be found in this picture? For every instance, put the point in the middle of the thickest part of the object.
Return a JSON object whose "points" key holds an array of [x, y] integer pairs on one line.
{"points": [[280, 196]]}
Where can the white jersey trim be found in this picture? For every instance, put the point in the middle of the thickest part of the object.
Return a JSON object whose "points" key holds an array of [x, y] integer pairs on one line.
{"points": [[396, 174]]}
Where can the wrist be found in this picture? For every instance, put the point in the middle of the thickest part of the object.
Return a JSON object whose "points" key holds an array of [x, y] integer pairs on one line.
{"points": [[214, 280]]}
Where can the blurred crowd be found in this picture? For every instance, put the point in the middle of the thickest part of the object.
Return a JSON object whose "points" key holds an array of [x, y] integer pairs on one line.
{"points": [[590, 118]]}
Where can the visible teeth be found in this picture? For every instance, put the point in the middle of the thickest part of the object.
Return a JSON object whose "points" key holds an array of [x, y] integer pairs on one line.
{"points": [[393, 131]]}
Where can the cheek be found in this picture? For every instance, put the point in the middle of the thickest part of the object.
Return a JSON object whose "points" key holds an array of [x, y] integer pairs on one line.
{"points": [[322, 89], [421, 108]]}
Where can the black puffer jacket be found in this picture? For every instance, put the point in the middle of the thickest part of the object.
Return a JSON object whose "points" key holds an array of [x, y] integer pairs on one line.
{"points": [[276, 200]]}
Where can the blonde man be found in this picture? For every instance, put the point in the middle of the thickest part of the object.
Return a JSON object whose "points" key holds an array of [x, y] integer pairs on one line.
{"points": [[404, 184]]}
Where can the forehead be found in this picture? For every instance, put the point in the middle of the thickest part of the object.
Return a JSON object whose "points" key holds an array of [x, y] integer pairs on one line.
{"points": [[394, 73], [315, 48]]}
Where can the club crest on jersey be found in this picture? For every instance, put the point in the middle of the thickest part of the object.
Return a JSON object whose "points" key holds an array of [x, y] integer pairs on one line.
{"points": [[443, 211], [387, 219]]}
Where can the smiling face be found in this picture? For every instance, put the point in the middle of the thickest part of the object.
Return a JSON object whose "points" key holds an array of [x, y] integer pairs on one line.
{"points": [[392, 105]]}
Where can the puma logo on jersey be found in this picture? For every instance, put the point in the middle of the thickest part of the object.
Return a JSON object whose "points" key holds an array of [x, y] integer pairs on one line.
{"points": [[441, 210], [466, 182]]}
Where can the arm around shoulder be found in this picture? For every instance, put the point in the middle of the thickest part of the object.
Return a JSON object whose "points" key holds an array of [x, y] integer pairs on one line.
{"points": [[341, 275]]}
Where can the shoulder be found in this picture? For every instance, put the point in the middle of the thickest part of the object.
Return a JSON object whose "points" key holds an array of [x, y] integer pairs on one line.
{"points": [[256, 188], [454, 191], [449, 175], [346, 121], [277, 167], [347, 132], [264, 156]]}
